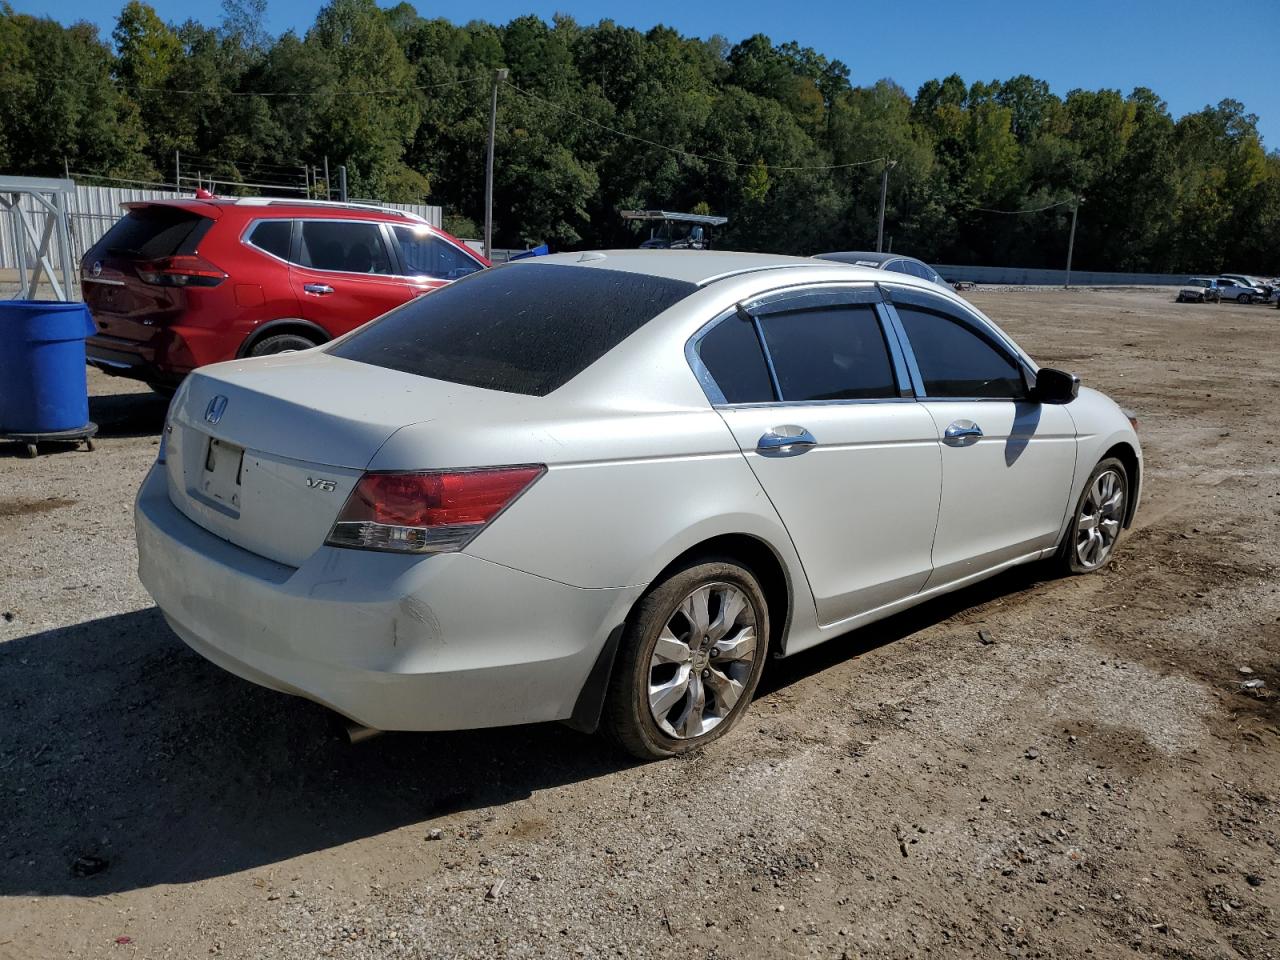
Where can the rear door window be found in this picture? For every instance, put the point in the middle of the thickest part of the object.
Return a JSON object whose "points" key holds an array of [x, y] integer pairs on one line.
{"points": [[830, 353], [345, 246], [148, 233], [273, 237], [523, 328], [424, 254]]}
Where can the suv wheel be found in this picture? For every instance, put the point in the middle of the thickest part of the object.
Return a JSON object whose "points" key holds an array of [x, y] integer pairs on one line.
{"points": [[691, 657], [281, 343]]}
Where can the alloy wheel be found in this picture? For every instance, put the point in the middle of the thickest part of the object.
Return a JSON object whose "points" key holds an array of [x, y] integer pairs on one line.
{"points": [[702, 660], [1101, 515]]}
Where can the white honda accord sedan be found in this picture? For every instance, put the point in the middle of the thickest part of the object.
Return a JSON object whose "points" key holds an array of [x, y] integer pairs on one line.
{"points": [[605, 488]]}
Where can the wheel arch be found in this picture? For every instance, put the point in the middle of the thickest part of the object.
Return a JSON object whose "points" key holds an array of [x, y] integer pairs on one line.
{"points": [[308, 329], [1126, 454], [752, 551], [762, 559]]}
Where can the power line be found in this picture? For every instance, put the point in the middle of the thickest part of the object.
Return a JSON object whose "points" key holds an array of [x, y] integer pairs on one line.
{"points": [[1060, 203], [330, 92], [688, 153]]}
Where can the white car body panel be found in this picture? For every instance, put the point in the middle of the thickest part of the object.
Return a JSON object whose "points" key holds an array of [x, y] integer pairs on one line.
{"points": [[1004, 496], [642, 466], [873, 479]]}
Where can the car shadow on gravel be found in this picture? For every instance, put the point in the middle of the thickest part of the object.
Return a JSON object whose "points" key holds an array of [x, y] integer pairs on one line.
{"points": [[783, 673], [128, 414], [127, 761]]}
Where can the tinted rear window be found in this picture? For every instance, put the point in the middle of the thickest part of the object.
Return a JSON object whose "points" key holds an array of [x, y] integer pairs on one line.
{"points": [[273, 236], [151, 232], [524, 328], [834, 353], [732, 355]]}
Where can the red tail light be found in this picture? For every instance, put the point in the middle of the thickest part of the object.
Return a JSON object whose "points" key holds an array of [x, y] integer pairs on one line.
{"points": [[432, 512], [181, 271]]}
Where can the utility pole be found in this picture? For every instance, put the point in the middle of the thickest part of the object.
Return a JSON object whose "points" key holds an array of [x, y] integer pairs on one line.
{"points": [[177, 170], [1071, 242], [884, 193], [498, 77], [328, 194], [342, 183]]}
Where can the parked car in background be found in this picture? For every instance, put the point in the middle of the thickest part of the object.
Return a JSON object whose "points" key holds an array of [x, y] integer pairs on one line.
{"points": [[1239, 291], [1199, 290], [893, 262], [1266, 286], [474, 512], [177, 284]]}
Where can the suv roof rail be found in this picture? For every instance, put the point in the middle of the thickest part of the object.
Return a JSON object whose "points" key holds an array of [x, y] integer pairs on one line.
{"points": [[280, 202]]}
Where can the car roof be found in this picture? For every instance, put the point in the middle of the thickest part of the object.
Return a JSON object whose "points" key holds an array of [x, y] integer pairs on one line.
{"points": [[217, 207], [863, 257], [699, 267]]}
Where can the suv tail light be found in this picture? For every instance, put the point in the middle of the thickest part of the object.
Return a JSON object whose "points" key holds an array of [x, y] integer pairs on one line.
{"points": [[181, 271], [436, 512]]}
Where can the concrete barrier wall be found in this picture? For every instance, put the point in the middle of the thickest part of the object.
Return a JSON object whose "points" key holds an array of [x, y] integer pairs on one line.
{"points": [[1037, 277]]}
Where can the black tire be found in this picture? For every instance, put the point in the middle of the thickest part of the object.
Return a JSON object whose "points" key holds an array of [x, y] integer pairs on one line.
{"points": [[627, 716], [1067, 561], [281, 343], [1244, 298]]}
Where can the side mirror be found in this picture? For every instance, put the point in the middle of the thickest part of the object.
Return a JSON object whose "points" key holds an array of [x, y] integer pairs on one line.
{"points": [[1055, 386]]}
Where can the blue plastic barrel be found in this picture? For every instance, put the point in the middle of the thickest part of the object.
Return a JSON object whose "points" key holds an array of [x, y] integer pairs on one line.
{"points": [[43, 386]]}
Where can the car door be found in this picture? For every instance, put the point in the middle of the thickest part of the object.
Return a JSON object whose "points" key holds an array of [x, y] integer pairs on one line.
{"points": [[1007, 461], [429, 261], [827, 422], [343, 274]]}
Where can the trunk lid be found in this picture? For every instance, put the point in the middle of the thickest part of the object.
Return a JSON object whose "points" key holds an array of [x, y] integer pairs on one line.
{"points": [[264, 452]]}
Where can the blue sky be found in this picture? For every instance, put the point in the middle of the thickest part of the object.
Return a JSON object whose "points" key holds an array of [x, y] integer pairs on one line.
{"points": [[1189, 53]]}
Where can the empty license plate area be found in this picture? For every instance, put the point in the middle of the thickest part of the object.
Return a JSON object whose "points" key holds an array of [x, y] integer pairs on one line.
{"points": [[220, 484]]}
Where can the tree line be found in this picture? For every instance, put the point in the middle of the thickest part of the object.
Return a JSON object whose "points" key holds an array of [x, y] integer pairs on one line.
{"points": [[600, 118]]}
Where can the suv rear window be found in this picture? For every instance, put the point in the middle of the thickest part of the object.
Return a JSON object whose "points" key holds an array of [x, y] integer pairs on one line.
{"points": [[524, 328], [147, 233]]}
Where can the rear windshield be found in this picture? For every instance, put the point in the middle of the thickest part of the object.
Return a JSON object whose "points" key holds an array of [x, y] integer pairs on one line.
{"points": [[523, 328], [151, 232]]}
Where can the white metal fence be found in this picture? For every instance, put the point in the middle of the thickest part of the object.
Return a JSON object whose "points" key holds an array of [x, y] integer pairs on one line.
{"points": [[95, 209]]}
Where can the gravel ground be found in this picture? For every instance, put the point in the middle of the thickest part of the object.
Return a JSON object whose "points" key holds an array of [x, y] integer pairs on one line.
{"points": [[1096, 782]]}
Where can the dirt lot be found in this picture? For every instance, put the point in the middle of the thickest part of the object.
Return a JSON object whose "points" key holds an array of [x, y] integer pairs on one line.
{"points": [[1096, 782]]}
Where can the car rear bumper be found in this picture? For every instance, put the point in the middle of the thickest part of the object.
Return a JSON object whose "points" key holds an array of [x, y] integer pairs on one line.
{"points": [[164, 358], [138, 360], [393, 642]]}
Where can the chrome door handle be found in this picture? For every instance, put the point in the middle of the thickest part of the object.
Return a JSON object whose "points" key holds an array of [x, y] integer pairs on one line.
{"points": [[962, 433], [319, 289], [785, 441]]}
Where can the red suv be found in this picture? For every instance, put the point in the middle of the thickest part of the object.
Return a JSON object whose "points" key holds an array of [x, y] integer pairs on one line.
{"points": [[177, 284]]}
